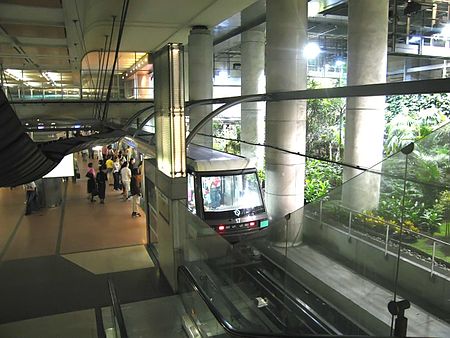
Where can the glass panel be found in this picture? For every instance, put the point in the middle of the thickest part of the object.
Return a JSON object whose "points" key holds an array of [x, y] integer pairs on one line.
{"points": [[191, 194], [226, 193], [333, 266]]}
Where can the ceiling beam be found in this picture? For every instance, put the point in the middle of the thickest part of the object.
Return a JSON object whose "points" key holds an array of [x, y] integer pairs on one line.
{"points": [[74, 44], [34, 56], [27, 14], [8, 21], [40, 45]]}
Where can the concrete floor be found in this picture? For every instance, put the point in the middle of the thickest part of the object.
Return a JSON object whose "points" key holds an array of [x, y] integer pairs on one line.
{"points": [[364, 300], [56, 262]]}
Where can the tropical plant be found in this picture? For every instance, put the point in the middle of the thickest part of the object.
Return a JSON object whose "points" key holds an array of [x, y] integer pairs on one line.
{"points": [[444, 205], [411, 117], [227, 130], [320, 177], [324, 121]]}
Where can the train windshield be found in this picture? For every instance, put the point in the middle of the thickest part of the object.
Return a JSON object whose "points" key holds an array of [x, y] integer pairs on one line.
{"points": [[231, 192]]}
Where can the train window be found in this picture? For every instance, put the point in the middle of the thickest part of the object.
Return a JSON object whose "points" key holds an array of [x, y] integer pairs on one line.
{"points": [[231, 192], [191, 194]]}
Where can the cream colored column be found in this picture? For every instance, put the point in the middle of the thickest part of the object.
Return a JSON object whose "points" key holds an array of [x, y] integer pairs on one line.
{"points": [[364, 128], [286, 33], [200, 60], [253, 82]]}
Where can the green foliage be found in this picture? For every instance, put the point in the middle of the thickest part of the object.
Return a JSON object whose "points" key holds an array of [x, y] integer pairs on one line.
{"points": [[321, 177], [424, 214], [444, 205], [261, 175], [324, 133], [227, 130], [411, 117]]}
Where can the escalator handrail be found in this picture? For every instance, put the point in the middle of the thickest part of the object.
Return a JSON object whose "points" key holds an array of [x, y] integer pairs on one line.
{"points": [[117, 309], [182, 269]]}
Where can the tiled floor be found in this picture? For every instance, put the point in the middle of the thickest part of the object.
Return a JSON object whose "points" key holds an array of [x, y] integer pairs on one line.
{"points": [[112, 260], [74, 226], [68, 325], [36, 280]]}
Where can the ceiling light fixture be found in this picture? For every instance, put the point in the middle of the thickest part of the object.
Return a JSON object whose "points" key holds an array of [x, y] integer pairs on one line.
{"points": [[311, 50], [134, 68]]}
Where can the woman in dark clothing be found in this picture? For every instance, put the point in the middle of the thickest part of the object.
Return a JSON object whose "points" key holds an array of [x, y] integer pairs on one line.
{"points": [[91, 183], [102, 178], [135, 192]]}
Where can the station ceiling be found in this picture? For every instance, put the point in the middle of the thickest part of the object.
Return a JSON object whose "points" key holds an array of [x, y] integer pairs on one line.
{"points": [[50, 43], [44, 42]]}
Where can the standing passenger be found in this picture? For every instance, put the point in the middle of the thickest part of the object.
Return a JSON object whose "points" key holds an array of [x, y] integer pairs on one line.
{"points": [[135, 192], [104, 152], [129, 153], [31, 197], [91, 183], [109, 168], [125, 174], [116, 173], [102, 178]]}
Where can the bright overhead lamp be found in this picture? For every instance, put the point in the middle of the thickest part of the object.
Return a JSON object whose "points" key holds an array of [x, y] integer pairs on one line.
{"points": [[446, 30], [311, 50], [313, 8], [16, 74]]}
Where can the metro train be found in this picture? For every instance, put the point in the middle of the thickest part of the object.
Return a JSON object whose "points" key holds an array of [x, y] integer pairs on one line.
{"points": [[224, 191]]}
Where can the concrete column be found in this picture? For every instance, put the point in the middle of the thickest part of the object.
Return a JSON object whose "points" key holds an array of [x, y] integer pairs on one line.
{"points": [[200, 46], [252, 82], [169, 172], [286, 32], [364, 129]]}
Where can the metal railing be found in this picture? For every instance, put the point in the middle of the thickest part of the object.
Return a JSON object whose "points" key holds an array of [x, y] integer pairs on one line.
{"points": [[388, 228], [117, 316]]}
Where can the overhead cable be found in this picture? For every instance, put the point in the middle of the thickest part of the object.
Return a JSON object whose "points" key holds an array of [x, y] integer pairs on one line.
{"points": [[119, 39], [80, 33], [103, 82]]}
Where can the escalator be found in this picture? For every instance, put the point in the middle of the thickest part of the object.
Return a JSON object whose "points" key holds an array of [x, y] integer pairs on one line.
{"points": [[248, 296]]}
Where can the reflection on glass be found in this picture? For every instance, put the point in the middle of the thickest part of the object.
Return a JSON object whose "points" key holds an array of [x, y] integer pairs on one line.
{"points": [[224, 193], [191, 194]]}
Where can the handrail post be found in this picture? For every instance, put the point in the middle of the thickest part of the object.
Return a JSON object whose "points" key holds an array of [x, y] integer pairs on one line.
{"points": [[349, 223], [387, 241], [320, 214], [432, 258]]}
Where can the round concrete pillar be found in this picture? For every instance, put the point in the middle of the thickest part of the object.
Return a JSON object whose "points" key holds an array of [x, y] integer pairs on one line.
{"points": [[200, 69], [286, 32], [364, 128], [252, 82]]}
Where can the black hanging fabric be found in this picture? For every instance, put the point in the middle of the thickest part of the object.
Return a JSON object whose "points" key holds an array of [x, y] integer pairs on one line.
{"points": [[23, 161]]}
